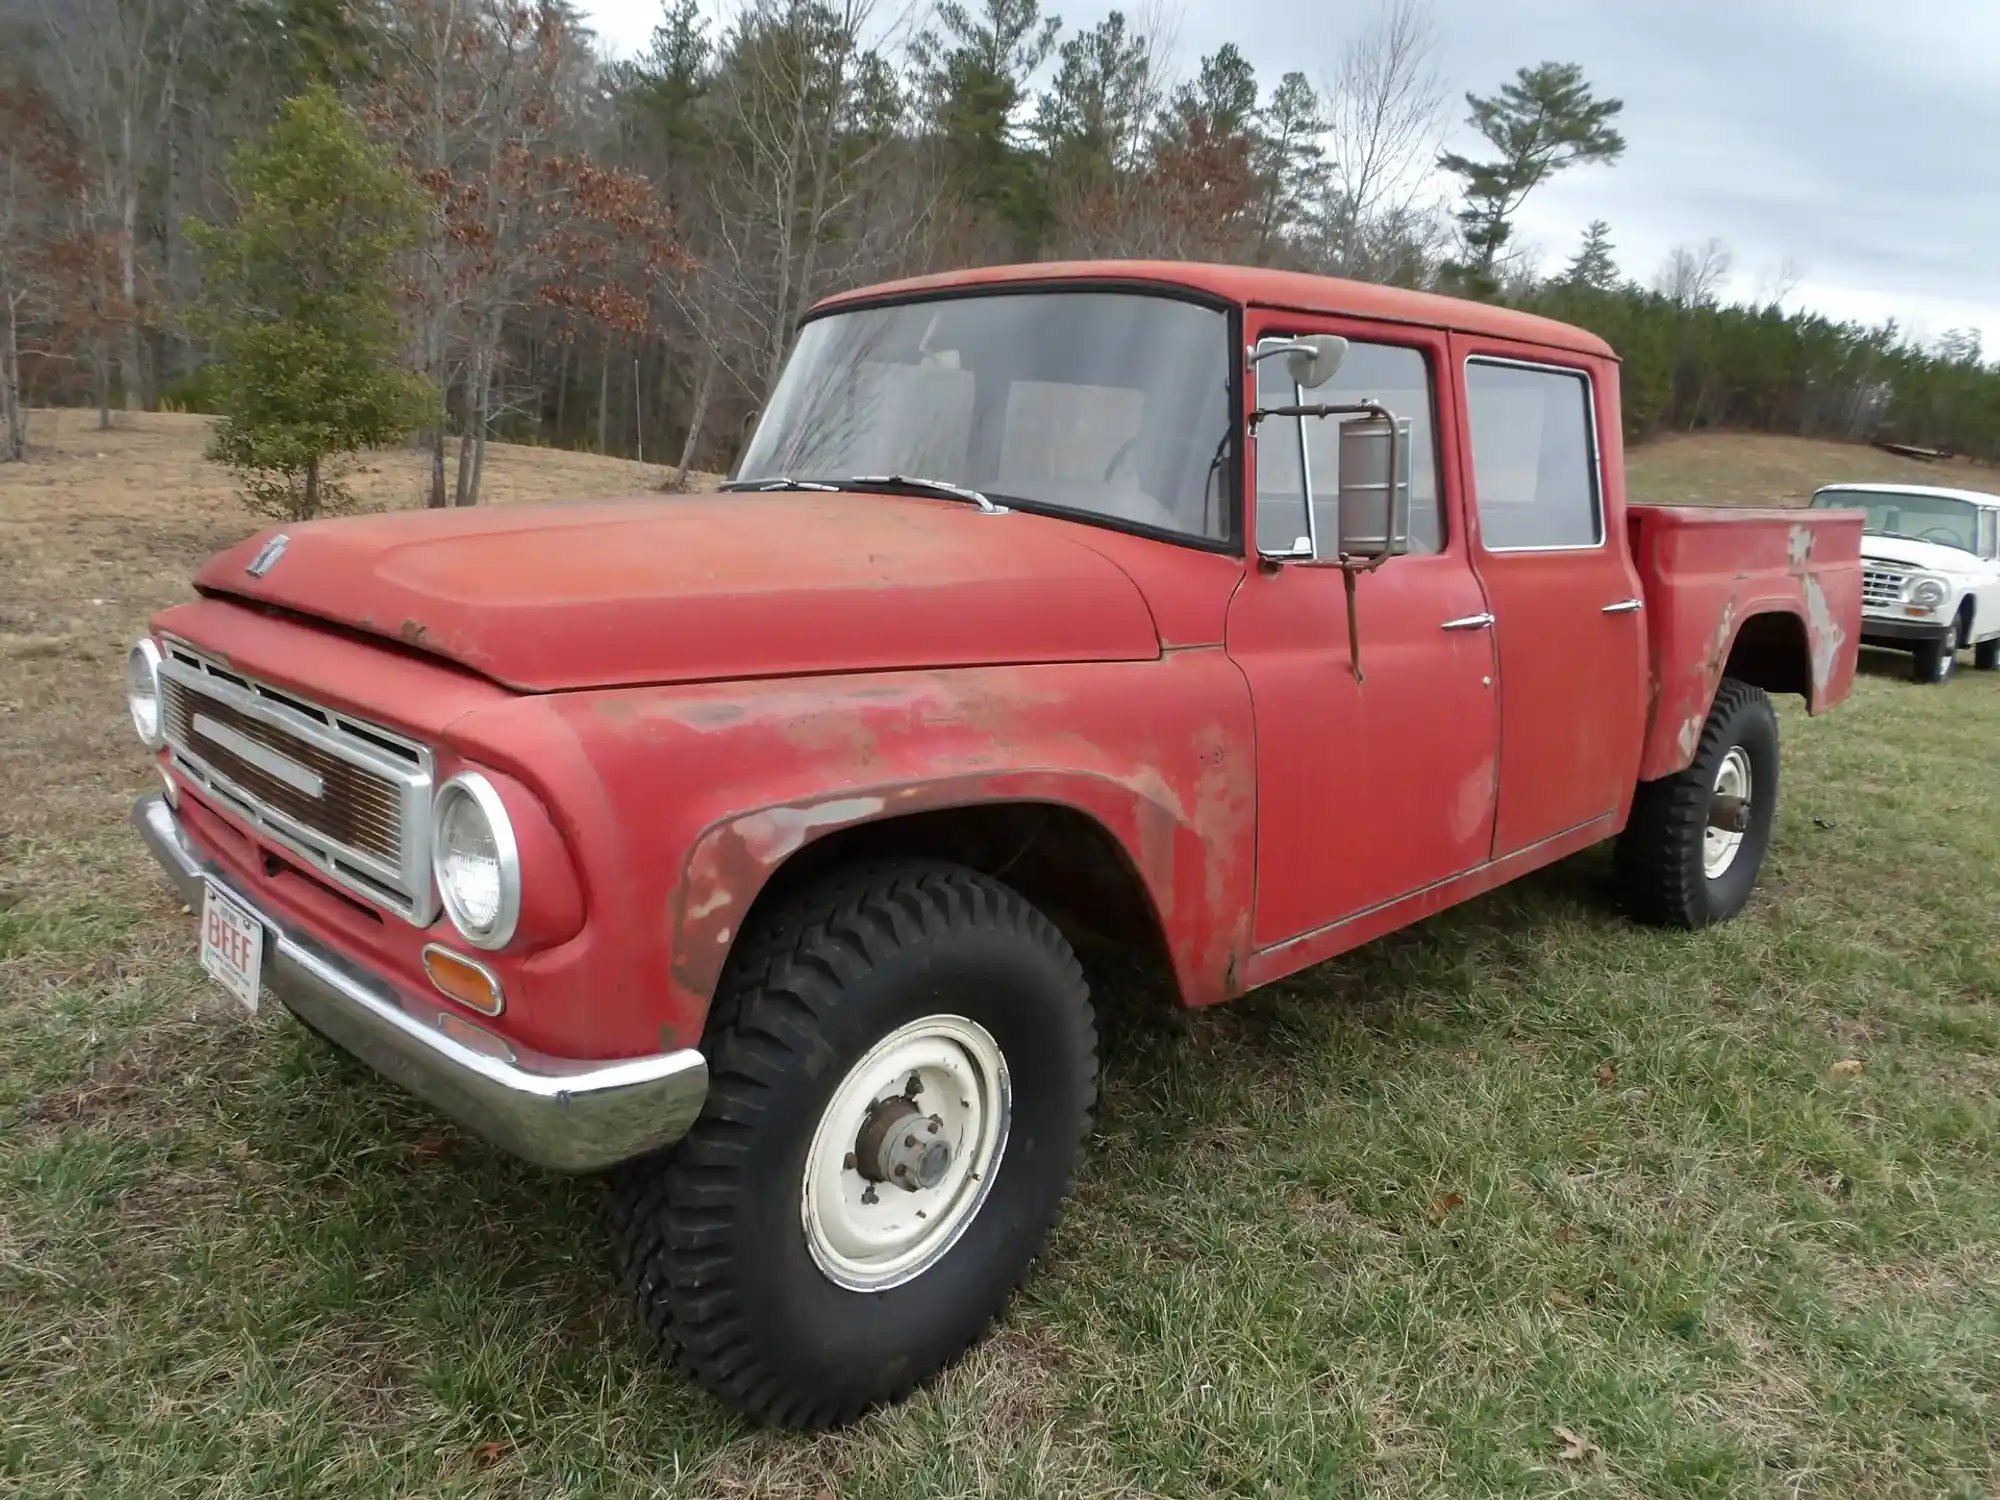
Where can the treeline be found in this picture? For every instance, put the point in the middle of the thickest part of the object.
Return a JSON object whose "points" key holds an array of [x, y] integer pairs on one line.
{"points": [[617, 254], [1692, 361]]}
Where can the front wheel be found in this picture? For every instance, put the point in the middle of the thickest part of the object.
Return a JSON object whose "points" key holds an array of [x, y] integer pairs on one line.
{"points": [[1936, 660], [902, 1070], [1691, 852]]}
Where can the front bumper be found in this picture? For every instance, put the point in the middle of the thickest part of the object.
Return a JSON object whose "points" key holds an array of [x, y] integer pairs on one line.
{"points": [[552, 1111], [1896, 630]]}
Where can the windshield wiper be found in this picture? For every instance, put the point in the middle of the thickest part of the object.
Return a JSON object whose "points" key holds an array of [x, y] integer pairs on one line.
{"points": [[781, 484], [925, 486]]}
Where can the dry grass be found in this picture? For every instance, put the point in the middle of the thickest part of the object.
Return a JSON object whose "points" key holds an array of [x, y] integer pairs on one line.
{"points": [[1390, 1229], [1760, 469]]}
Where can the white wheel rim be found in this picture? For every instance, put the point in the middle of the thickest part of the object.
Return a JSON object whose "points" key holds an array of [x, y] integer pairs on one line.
{"points": [[869, 1235], [1719, 845]]}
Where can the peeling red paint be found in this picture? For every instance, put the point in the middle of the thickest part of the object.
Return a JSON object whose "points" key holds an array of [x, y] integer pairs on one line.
{"points": [[1707, 574], [699, 690]]}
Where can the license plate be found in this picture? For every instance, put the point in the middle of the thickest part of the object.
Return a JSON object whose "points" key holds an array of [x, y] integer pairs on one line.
{"points": [[232, 946]]}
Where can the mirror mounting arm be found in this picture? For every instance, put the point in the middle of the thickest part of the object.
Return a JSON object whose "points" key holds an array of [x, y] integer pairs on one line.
{"points": [[1350, 566]]}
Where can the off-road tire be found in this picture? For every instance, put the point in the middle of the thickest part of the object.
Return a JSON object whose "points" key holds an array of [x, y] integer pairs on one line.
{"points": [[1986, 655], [1660, 852], [1936, 662], [710, 1235]]}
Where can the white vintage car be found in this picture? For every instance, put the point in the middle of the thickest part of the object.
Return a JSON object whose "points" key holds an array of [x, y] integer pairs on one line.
{"points": [[1930, 580]]}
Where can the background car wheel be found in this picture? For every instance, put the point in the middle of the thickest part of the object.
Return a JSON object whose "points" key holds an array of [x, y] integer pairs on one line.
{"points": [[903, 1064], [1936, 660], [1691, 852], [1986, 655]]}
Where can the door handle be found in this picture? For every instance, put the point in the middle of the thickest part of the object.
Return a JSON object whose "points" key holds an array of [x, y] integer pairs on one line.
{"points": [[1469, 622], [1625, 607]]}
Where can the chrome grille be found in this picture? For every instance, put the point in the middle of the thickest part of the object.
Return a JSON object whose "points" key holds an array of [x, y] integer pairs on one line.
{"points": [[351, 798], [1881, 588]]}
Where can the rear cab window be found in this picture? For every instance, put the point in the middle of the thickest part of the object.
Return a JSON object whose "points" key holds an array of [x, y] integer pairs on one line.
{"points": [[1534, 457]]}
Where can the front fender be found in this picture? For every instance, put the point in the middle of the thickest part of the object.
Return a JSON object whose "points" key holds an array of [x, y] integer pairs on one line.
{"points": [[704, 791], [1158, 754], [734, 860]]}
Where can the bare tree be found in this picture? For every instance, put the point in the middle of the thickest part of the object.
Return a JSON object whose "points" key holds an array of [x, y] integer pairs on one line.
{"points": [[810, 187], [1775, 286], [40, 174], [114, 67], [1692, 275], [1385, 110]]}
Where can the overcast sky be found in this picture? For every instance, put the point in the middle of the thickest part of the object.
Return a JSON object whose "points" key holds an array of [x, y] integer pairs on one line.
{"points": [[1858, 139]]}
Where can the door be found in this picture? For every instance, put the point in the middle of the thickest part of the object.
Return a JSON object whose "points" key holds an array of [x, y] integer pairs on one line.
{"points": [[1986, 585], [1569, 621], [1368, 788]]}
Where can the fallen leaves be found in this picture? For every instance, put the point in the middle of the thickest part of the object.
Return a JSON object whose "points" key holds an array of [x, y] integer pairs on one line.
{"points": [[1443, 1204], [1576, 1448], [1608, 1074], [1848, 1067]]}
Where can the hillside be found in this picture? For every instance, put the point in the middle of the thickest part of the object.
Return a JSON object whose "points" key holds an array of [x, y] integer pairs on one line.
{"points": [[1749, 468]]}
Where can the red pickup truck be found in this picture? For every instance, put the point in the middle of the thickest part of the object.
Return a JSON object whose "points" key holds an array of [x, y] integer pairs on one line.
{"points": [[741, 845]]}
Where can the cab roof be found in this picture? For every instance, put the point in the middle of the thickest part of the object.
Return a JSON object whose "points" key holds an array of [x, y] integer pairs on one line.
{"points": [[1935, 491], [1253, 287]]}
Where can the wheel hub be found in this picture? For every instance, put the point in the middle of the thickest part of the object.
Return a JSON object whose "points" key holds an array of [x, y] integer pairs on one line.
{"points": [[902, 1146], [905, 1151], [1728, 814]]}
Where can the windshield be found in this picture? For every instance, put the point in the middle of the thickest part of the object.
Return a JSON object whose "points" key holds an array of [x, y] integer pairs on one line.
{"points": [[1920, 518], [1111, 406]]}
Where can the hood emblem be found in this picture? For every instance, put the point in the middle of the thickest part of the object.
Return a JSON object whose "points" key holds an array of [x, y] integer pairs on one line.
{"points": [[267, 558]]}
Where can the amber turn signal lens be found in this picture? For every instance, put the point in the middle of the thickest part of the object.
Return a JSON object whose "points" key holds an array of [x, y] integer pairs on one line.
{"points": [[463, 980]]}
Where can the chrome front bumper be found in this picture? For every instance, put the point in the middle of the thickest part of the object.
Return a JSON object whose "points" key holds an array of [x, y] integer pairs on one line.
{"points": [[556, 1112]]}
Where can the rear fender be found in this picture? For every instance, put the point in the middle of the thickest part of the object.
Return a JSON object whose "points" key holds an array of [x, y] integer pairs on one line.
{"points": [[1725, 601]]}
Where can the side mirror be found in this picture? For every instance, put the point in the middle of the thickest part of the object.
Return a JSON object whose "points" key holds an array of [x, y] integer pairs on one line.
{"points": [[1313, 361], [1374, 519]]}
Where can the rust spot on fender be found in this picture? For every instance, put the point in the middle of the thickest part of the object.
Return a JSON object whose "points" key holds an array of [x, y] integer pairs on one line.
{"points": [[413, 632], [771, 836]]}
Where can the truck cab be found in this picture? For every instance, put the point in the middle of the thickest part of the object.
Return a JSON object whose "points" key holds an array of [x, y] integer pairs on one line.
{"points": [[743, 846]]}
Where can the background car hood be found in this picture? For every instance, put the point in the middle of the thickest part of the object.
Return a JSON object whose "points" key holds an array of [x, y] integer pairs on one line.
{"points": [[1932, 557], [698, 588]]}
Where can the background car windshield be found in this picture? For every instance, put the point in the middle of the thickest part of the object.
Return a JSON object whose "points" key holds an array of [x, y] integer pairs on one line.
{"points": [[1921, 518], [1114, 406]]}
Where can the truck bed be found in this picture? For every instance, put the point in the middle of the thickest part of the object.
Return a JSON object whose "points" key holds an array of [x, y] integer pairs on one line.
{"points": [[1737, 592]]}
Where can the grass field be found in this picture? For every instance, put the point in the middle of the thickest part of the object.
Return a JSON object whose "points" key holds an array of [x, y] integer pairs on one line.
{"points": [[1523, 1201]]}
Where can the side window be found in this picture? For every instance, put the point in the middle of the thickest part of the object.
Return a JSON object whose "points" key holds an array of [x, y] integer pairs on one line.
{"points": [[1534, 463], [1989, 533], [1397, 378]]}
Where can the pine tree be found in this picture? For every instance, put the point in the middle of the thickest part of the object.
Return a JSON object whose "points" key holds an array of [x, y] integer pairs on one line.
{"points": [[1290, 159], [1543, 122], [972, 79], [1092, 120], [1592, 266], [299, 299]]}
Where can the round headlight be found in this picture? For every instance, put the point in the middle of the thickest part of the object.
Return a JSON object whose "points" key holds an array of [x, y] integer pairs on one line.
{"points": [[142, 692], [1929, 592], [475, 860]]}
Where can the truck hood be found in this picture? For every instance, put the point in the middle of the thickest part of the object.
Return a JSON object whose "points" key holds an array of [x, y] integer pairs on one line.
{"points": [[1932, 557], [704, 588]]}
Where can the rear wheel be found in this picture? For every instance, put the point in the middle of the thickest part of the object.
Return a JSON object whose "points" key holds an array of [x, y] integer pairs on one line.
{"points": [[1694, 845], [903, 1066]]}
